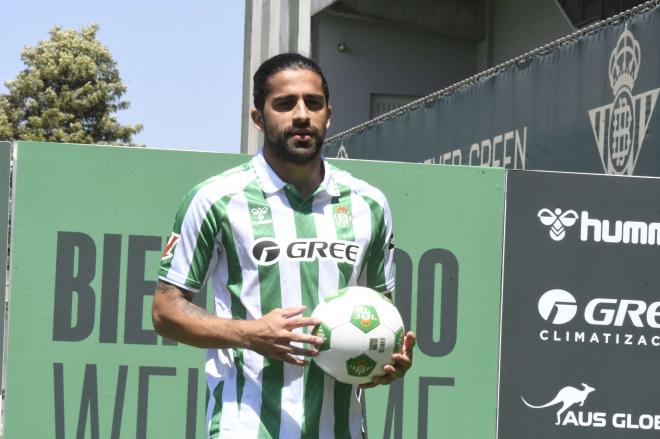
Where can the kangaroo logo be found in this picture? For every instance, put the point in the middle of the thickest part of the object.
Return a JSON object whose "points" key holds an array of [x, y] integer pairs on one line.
{"points": [[567, 396], [557, 221]]}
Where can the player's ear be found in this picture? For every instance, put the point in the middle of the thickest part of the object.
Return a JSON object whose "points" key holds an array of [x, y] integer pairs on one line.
{"points": [[258, 118], [327, 124]]}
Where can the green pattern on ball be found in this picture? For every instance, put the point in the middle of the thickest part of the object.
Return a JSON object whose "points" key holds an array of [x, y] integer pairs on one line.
{"points": [[324, 332], [360, 366], [365, 318], [398, 340], [337, 295]]}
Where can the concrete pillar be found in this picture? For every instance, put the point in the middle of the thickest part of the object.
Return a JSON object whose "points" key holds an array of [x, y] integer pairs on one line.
{"points": [[271, 27]]}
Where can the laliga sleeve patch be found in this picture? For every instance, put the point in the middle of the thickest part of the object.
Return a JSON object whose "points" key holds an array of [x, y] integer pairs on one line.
{"points": [[171, 243]]}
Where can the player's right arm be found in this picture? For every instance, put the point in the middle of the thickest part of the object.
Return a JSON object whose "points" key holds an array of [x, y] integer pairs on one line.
{"points": [[175, 316], [187, 259]]}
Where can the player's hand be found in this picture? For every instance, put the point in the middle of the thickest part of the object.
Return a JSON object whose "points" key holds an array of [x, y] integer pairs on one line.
{"points": [[402, 362], [273, 335]]}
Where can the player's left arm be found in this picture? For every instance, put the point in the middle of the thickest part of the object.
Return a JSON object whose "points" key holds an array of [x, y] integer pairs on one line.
{"points": [[380, 276]]}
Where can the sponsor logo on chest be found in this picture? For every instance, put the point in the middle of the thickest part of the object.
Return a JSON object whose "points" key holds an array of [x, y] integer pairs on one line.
{"points": [[267, 251]]}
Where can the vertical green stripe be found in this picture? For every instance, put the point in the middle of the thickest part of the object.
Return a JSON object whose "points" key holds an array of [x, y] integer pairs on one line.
{"points": [[269, 287], [344, 229], [205, 244], [235, 287], [314, 387], [309, 288], [343, 395], [376, 253], [235, 273], [214, 428], [240, 377]]}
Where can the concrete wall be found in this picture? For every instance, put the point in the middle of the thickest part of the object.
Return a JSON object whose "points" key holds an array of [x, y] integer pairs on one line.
{"points": [[388, 58], [518, 26], [382, 58]]}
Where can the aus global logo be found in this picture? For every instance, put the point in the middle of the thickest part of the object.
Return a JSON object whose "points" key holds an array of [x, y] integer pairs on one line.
{"points": [[572, 410], [567, 397], [620, 126]]}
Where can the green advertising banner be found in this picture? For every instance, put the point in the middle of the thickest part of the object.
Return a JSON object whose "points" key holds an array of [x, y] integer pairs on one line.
{"points": [[89, 224]]}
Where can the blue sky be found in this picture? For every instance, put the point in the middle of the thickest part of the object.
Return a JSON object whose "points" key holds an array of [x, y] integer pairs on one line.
{"points": [[181, 61]]}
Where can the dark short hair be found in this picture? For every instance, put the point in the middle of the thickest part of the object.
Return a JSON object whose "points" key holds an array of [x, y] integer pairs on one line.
{"points": [[283, 61]]}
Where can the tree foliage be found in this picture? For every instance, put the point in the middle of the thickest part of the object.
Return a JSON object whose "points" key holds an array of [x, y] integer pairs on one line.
{"points": [[69, 91]]}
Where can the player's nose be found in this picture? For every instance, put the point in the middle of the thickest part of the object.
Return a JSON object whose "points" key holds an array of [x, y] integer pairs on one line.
{"points": [[300, 111]]}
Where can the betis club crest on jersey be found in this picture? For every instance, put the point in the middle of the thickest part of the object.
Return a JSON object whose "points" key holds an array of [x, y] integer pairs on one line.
{"points": [[343, 217], [620, 127]]}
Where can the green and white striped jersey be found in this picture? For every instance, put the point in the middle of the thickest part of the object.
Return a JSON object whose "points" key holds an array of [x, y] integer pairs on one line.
{"points": [[262, 247]]}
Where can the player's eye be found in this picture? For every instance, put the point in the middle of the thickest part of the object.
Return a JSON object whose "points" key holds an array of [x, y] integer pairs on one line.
{"points": [[285, 104], [314, 103]]}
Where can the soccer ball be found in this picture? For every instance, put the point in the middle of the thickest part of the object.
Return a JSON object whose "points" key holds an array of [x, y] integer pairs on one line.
{"points": [[362, 330]]}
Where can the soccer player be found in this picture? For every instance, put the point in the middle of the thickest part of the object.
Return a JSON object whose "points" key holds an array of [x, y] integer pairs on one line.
{"points": [[274, 236]]}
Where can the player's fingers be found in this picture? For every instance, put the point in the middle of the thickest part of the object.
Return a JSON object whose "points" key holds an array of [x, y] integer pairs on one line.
{"points": [[294, 360], [307, 338], [401, 364], [402, 361], [300, 322], [368, 385], [303, 351], [383, 379], [293, 311], [409, 342], [395, 371]]}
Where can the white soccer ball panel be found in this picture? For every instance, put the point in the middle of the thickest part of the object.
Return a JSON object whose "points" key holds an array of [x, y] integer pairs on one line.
{"points": [[347, 340], [331, 313], [390, 316]]}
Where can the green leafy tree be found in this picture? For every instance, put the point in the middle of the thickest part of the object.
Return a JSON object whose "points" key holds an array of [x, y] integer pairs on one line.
{"points": [[69, 91]]}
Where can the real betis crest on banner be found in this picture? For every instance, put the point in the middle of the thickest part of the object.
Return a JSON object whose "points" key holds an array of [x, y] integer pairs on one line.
{"points": [[620, 126]]}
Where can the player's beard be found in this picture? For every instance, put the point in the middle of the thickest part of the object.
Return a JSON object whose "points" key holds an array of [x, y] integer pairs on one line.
{"points": [[284, 145]]}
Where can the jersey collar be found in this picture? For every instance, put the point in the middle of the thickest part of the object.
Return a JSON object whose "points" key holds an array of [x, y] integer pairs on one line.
{"points": [[271, 183]]}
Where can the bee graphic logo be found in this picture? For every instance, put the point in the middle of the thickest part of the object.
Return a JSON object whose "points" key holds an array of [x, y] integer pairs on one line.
{"points": [[557, 221], [260, 215]]}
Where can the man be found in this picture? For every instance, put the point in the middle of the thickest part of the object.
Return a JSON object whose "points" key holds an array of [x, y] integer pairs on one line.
{"points": [[234, 228]]}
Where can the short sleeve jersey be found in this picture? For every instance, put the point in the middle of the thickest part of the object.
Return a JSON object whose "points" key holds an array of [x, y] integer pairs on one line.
{"points": [[262, 247]]}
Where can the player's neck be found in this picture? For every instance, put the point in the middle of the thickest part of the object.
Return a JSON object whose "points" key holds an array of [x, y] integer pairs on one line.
{"points": [[305, 177]]}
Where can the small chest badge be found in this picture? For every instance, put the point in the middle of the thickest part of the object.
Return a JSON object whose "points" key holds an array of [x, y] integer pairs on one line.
{"points": [[261, 215], [343, 217]]}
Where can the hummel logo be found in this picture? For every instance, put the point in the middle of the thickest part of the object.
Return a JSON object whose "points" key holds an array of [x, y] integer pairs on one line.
{"points": [[557, 221], [260, 214]]}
